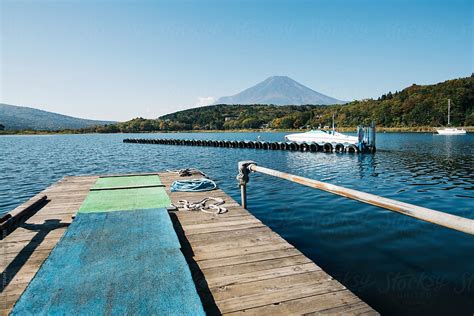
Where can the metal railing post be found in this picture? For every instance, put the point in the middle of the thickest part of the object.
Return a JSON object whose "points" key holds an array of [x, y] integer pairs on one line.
{"points": [[243, 178], [243, 195]]}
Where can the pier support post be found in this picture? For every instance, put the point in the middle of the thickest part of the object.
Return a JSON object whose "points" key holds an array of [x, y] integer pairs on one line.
{"points": [[243, 178], [243, 195]]}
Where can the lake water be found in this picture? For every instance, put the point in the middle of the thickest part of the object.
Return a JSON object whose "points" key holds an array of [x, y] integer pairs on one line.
{"points": [[395, 263]]}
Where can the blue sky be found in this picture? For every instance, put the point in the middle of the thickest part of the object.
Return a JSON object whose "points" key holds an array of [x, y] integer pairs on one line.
{"points": [[123, 59]]}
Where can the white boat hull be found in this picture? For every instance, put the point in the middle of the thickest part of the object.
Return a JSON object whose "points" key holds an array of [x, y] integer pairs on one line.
{"points": [[451, 131], [323, 138]]}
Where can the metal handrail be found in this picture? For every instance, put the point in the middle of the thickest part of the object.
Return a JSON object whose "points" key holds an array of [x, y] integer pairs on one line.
{"points": [[455, 222]]}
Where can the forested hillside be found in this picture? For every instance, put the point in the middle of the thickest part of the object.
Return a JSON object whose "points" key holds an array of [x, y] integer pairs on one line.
{"points": [[414, 106], [14, 117]]}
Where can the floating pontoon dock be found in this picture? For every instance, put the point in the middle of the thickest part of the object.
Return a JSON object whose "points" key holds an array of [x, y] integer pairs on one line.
{"points": [[236, 264], [288, 146]]}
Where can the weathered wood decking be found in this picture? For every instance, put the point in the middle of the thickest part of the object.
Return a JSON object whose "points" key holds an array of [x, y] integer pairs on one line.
{"points": [[25, 249], [239, 265]]}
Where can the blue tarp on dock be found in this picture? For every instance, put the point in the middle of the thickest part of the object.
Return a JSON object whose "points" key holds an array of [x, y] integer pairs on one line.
{"points": [[120, 255], [122, 262]]}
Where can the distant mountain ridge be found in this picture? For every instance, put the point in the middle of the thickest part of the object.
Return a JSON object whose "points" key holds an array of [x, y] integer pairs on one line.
{"points": [[415, 108], [279, 90], [15, 117]]}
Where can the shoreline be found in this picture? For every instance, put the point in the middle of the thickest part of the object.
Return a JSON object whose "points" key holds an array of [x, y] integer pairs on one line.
{"points": [[420, 129]]}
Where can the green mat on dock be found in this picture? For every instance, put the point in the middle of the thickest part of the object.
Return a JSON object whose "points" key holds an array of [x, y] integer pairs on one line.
{"points": [[127, 181], [125, 199]]}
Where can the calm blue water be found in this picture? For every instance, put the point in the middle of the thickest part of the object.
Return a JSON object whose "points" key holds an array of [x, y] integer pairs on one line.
{"points": [[395, 263]]}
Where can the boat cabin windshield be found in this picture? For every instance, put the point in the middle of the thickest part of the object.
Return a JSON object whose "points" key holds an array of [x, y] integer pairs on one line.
{"points": [[320, 131]]}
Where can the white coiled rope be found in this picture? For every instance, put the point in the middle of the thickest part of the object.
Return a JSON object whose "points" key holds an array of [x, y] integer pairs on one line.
{"points": [[203, 205]]}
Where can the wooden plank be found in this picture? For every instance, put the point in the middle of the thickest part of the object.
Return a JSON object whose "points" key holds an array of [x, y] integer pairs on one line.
{"points": [[242, 268], [304, 305], [247, 258], [359, 308], [210, 253], [8, 258], [226, 248], [188, 218], [234, 234], [13, 219], [263, 287], [278, 296], [222, 229], [261, 274]]}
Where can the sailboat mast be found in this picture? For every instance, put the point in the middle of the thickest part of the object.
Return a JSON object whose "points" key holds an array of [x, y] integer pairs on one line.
{"points": [[333, 129], [449, 111]]}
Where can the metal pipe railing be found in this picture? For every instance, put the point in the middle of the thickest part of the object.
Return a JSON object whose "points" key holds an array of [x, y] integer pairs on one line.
{"points": [[455, 222]]}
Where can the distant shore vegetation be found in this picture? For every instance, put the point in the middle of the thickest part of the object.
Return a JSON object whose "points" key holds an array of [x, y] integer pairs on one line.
{"points": [[416, 108]]}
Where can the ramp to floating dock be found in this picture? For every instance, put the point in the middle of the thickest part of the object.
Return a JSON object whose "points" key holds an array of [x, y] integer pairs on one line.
{"points": [[238, 264]]}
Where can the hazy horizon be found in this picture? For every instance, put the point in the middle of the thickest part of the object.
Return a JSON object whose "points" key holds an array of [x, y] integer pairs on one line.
{"points": [[118, 60]]}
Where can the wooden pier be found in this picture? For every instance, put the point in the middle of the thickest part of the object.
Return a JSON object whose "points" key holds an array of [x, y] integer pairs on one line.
{"points": [[238, 265]]}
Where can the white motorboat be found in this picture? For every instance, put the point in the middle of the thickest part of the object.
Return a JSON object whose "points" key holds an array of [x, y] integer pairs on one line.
{"points": [[322, 137], [338, 142], [450, 130]]}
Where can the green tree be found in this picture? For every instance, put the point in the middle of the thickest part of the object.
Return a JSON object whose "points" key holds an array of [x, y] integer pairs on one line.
{"points": [[251, 122]]}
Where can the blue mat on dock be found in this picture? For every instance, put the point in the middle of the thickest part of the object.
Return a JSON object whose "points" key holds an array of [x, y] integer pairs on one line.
{"points": [[121, 262]]}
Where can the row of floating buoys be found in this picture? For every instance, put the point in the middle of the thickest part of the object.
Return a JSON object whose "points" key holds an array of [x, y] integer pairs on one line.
{"points": [[290, 146]]}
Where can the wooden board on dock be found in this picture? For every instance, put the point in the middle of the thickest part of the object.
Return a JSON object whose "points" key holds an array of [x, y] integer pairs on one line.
{"points": [[239, 265]]}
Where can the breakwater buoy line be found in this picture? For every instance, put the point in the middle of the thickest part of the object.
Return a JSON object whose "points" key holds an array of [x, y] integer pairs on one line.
{"points": [[288, 146]]}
